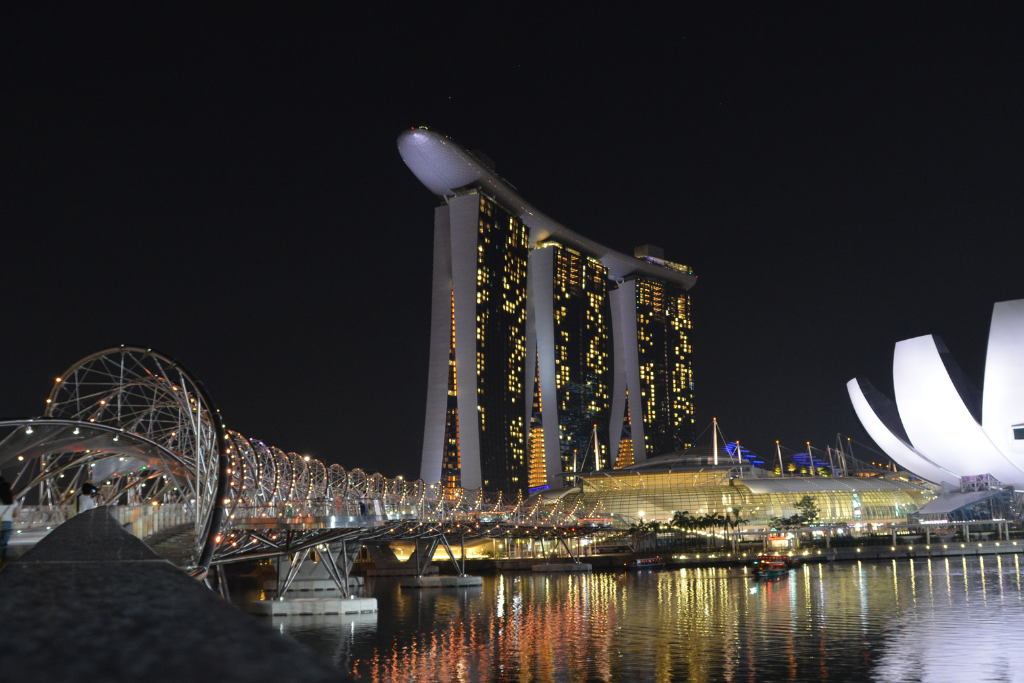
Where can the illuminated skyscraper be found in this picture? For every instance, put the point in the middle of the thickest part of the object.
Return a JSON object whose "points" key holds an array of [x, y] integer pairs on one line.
{"points": [[657, 370], [538, 335], [478, 352], [569, 326]]}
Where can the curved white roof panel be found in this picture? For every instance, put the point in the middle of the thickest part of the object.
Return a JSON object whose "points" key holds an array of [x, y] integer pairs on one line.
{"points": [[944, 425], [444, 167], [935, 417], [898, 449], [1003, 402]]}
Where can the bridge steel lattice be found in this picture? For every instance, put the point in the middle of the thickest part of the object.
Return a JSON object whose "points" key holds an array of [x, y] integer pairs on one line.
{"points": [[144, 431]]}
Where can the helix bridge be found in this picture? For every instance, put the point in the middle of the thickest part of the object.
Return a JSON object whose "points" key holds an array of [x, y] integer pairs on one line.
{"points": [[140, 428]]}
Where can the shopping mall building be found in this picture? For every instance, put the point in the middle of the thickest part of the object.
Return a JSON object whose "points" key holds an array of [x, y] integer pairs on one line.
{"points": [[691, 481]]}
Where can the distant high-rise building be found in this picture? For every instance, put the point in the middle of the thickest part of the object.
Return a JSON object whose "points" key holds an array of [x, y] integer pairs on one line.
{"points": [[538, 335], [661, 388], [478, 346], [569, 324]]}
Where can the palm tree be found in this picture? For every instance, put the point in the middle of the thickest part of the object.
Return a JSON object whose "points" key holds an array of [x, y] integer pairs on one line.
{"points": [[733, 521], [720, 521], [702, 523], [640, 531], [682, 521]]}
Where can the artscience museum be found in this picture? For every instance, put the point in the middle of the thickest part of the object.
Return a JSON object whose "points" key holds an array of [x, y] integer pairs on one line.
{"points": [[940, 426]]}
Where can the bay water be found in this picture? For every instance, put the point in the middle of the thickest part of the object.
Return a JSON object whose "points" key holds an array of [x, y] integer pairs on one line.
{"points": [[939, 619]]}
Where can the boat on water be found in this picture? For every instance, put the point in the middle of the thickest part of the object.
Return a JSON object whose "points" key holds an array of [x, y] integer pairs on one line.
{"points": [[647, 563], [770, 565]]}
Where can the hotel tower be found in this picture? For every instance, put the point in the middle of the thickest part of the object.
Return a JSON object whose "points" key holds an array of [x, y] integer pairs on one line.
{"points": [[549, 353]]}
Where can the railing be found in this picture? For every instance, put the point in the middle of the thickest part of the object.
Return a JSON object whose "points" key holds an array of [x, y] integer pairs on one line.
{"points": [[39, 517], [385, 509], [144, 521]]}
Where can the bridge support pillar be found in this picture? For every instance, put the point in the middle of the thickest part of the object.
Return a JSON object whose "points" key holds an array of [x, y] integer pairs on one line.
{"points": [[293, 571], [339, 568], [565, 545], [460, 570], [428, 555], [338, 575]]}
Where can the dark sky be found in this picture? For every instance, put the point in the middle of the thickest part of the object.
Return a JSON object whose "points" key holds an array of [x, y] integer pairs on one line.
{"points": [[226, 188]]}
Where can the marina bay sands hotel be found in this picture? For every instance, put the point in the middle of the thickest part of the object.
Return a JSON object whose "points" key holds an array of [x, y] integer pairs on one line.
{"points": [[549, 352]]}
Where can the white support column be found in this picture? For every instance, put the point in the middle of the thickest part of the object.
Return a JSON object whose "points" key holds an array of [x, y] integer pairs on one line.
{"points": [[530, 365], [542, 274], [624, 327], [617, 380], [440, 349], [464, 215]]}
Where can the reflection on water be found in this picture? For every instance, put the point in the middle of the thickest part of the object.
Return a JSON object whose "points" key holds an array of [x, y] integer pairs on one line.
{"points": [[949, 619], [333, 637]]}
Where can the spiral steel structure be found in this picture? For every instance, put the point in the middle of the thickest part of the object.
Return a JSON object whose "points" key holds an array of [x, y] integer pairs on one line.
{"points": [[138, 426]]}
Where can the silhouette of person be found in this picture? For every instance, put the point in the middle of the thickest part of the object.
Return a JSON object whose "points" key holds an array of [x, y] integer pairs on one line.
{"points": [[8, 511], [86, 499]]}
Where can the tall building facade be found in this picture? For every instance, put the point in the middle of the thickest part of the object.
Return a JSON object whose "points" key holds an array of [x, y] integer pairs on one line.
{"points": [[569, 330], [540, 337], [478, 351], [652, 361]]}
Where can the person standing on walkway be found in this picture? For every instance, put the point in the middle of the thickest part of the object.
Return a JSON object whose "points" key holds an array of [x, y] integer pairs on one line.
{"points": [[8, 511], [86, 499]]}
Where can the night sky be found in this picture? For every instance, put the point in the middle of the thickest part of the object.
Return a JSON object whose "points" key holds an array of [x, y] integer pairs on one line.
{"points": [[226, 188]]}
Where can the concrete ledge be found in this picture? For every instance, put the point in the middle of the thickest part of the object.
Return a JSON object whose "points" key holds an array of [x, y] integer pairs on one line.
{"points": [[284, 624], [121, 613], [440, 581], [563, 567], [314, 585], [312, 606], [399, 571]]}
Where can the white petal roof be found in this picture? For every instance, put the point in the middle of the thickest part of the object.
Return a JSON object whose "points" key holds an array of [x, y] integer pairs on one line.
{"points": [[938, 435]]}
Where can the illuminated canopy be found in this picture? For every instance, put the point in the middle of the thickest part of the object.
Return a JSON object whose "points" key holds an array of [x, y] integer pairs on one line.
{"points": [[941, 427]]}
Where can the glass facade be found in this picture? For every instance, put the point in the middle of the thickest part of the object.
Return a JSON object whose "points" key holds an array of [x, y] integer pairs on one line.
{"points": [[538, 476], [666, 376], [625, 457], [451, 465], [582, 372], [480, 326], [625, 454], [999, 505], [657, 496], [502, 249]]}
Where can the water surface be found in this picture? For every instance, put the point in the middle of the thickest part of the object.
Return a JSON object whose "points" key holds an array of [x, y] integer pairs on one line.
{"points": [[950, 619]]}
